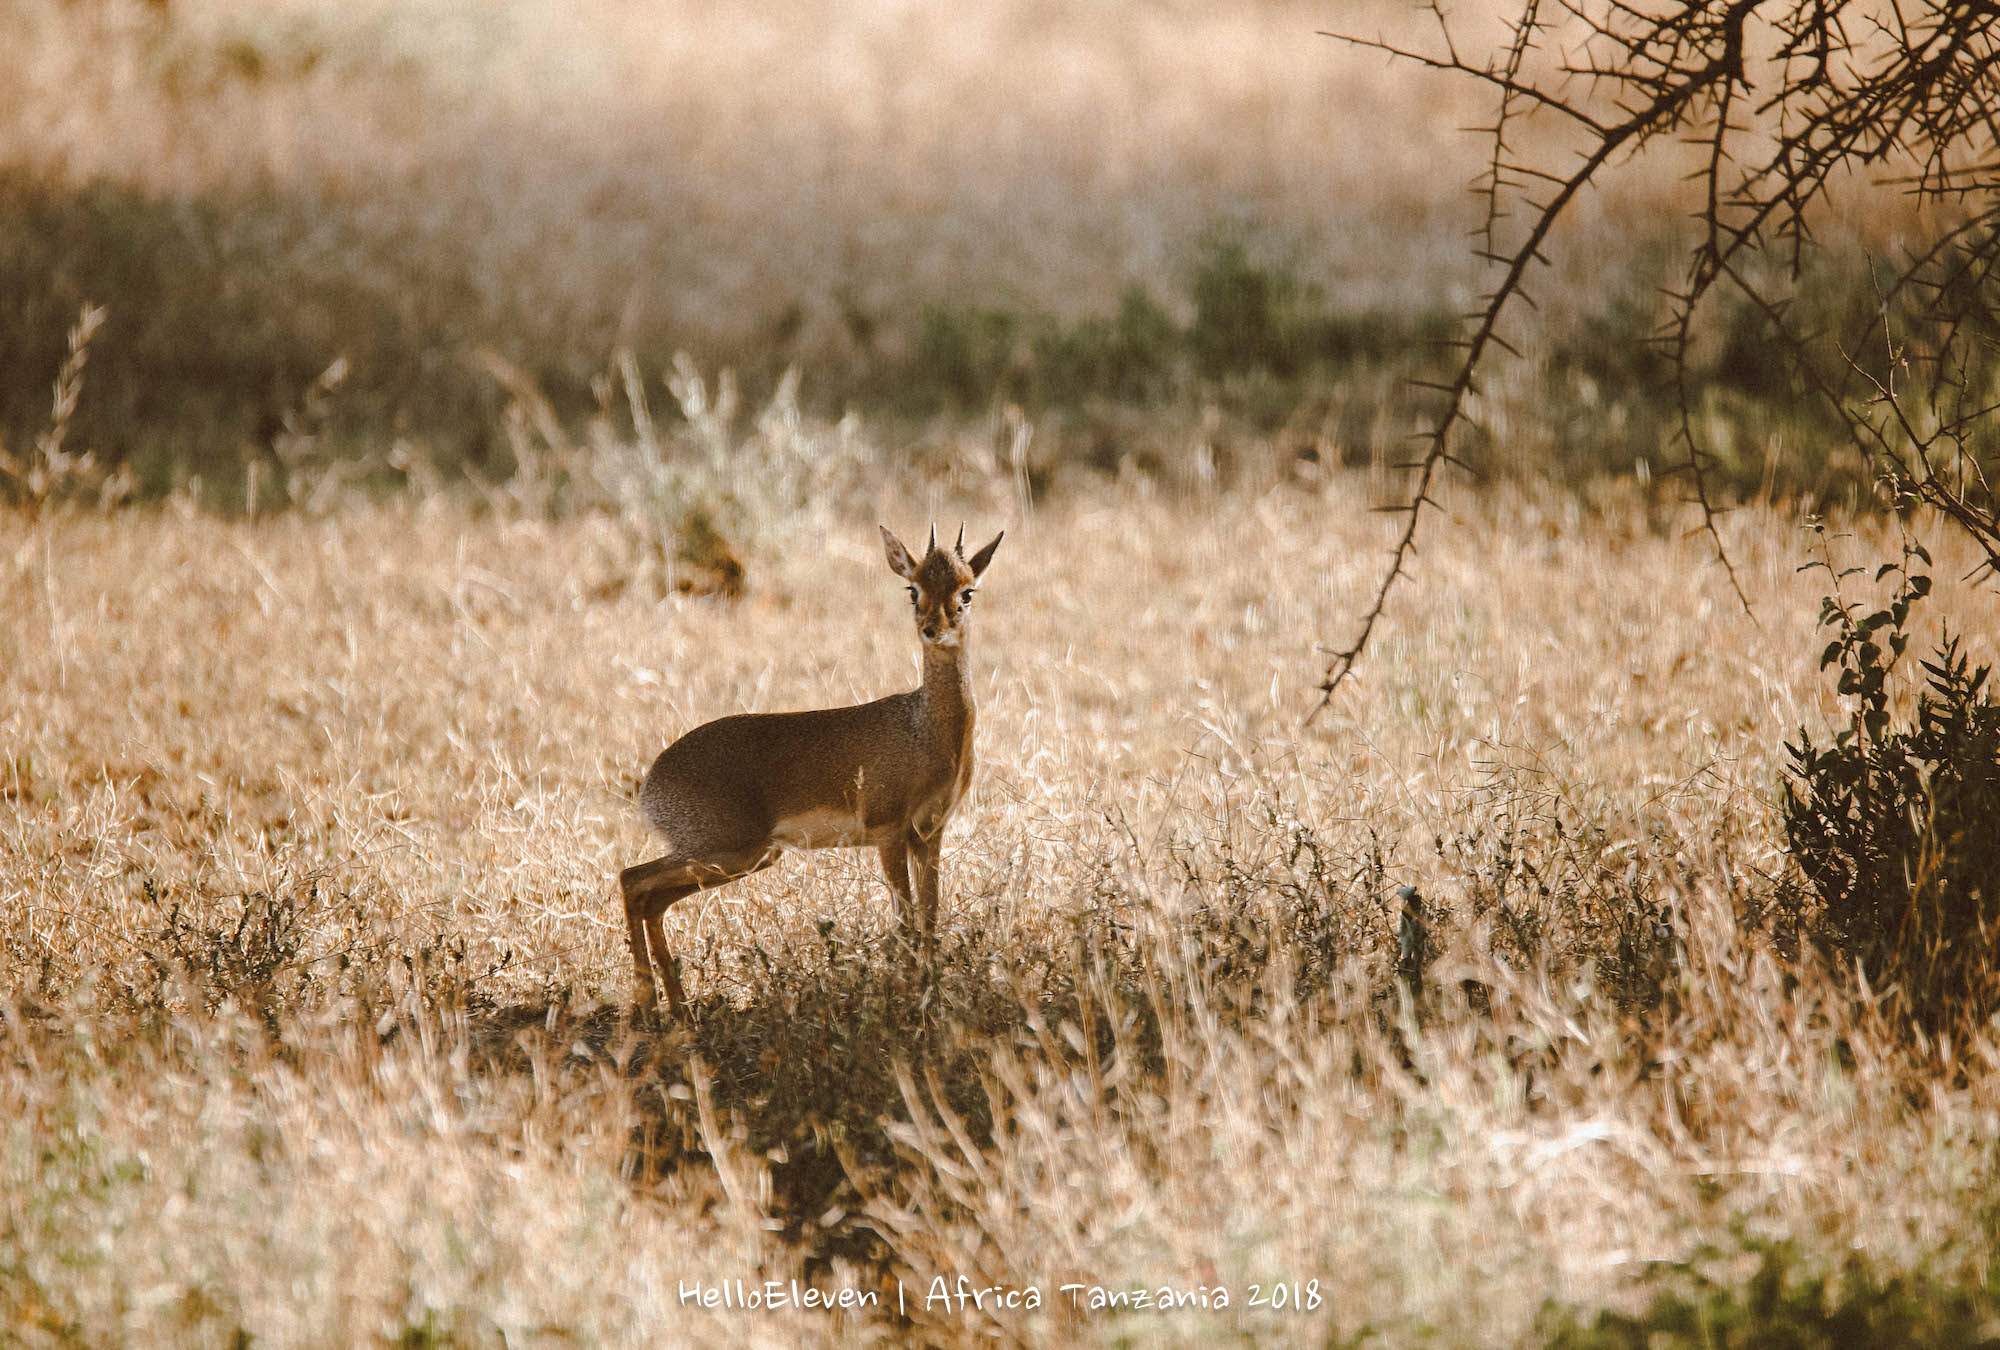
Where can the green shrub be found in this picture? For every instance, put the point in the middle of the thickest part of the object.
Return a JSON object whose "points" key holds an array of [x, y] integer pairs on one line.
{"points": [[222, 316], [1782, 1308], [1131, 358], [1894, 828], [1260, 344]]}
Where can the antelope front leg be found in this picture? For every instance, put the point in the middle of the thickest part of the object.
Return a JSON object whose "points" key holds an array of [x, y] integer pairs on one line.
{"points": [[924, 872], [896, 867]]}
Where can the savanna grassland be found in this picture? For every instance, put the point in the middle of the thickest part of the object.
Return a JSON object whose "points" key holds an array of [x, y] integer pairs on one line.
{"points": [[317, 997], [452, 406]]}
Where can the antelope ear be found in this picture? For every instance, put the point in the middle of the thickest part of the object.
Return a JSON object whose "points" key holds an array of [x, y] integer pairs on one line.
{"points": [[900, 561], [985, 555]]}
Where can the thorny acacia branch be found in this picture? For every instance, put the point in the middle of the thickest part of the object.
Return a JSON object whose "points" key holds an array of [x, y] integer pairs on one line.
{"points": [[1783, 98]]}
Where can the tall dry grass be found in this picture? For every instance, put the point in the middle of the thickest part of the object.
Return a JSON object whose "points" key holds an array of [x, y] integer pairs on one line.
{"points": [[314, 985]]}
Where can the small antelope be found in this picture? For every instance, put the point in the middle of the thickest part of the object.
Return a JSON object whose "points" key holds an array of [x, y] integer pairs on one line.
{"points": [[732, 795]]}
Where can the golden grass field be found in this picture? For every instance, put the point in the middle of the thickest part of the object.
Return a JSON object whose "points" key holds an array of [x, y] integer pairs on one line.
{"points": [[315, 1005], [315, 993]]}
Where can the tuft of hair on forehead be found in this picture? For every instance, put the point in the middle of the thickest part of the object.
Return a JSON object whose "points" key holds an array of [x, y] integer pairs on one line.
{"points": [[941, 570]]}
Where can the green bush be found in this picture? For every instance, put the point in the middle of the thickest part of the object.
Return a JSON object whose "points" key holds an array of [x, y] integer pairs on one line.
{"points": [[222, 315], [1260, 343], [1894, 827], [1782, 1308]]}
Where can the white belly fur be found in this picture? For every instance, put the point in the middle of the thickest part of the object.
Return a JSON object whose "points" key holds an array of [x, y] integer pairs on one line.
{"points": [[825, 827]]}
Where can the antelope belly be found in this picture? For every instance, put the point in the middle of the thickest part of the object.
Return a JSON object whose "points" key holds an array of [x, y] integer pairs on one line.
{"points": [[823, 827]]}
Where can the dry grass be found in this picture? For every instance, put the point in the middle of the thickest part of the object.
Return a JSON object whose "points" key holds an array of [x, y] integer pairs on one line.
{"points": [[705, 170], [313, 982], [312, 992]]}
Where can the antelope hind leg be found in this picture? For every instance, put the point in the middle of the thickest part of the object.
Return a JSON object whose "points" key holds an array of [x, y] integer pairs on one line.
{"points": [[651, 888]]}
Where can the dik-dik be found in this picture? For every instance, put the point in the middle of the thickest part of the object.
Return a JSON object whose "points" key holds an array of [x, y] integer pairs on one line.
{"points": [[732, 795]]}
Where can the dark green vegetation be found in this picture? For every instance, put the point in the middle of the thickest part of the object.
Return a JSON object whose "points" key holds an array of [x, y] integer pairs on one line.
{"points": [[1612, 391], [221, 315], [1894, 824], [225, 317], [1259, 342], [1785, 1307]]}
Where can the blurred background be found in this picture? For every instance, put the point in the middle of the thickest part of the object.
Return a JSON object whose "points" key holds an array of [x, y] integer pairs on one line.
{"points": [[1139, 226]]}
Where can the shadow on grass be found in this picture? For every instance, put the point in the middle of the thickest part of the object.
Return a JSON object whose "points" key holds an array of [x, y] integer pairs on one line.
{"points": [[802, 1073], [804, 1064]]}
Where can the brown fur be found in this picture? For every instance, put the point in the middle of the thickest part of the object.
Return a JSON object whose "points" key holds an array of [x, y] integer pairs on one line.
{"points": [[731, 795]]}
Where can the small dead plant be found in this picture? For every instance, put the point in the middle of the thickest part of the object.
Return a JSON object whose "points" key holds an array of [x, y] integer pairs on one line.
{"points": [[53, 474]]}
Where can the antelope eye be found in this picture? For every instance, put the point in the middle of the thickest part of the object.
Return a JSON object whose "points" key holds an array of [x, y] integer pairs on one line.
{"points": [[965, 596], [914, 597]]}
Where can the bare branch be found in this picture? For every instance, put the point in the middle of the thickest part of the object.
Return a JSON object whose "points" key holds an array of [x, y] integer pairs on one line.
{"points": [[1921, 92]]}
